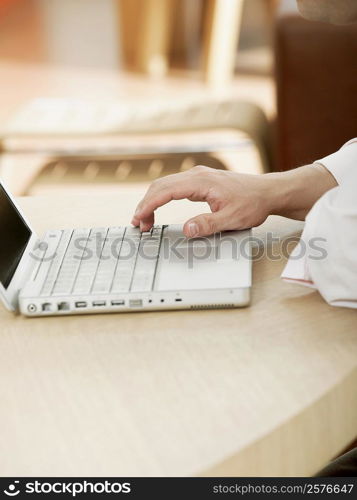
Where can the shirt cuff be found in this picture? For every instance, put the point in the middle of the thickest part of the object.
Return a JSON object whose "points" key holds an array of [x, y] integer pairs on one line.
{"points": [[296, 269], [341, 162]]}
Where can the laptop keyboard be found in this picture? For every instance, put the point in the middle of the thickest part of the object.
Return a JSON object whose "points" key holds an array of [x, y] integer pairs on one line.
{"points": [[103, 260]]}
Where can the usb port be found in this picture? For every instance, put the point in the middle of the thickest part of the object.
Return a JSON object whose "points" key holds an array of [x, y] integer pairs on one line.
{"points": [[99, 303], [178, 300], [63, 306], [81, 304], [136, 303], [118, 302]]}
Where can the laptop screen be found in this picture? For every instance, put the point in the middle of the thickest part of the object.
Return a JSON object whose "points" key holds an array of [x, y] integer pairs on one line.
{"points": [[14, 236]]}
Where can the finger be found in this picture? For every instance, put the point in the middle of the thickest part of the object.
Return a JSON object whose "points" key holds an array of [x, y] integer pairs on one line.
{"points": [[207, 224], [138, 216], [158, 184], [175, 188], [146, 225], [148, 222]]}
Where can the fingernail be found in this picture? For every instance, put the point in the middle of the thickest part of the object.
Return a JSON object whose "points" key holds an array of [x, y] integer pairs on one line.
{"points": [[193, 229]]}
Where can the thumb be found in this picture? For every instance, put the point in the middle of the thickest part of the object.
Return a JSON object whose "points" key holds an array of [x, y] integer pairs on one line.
{"points": [[206, 224]]}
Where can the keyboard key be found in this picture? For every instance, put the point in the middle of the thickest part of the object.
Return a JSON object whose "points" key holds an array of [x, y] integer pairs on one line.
{"points": [[127, 260], [108, 262], [71, 262], [90, 261], [102, 260], [56, 263], [145, 265]]}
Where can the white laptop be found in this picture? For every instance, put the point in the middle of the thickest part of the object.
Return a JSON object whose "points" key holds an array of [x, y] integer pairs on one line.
{"points": [[118, 269]]}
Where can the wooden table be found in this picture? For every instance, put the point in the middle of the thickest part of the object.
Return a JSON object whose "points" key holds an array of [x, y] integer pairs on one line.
{"points": [[267, 390]]}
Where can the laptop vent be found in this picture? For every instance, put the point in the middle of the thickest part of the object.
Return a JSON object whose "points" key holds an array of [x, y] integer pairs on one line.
{"points": [[213, 306]]}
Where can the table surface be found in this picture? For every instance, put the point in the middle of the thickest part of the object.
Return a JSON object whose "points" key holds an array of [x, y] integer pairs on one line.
{"points": [[266, 390]]}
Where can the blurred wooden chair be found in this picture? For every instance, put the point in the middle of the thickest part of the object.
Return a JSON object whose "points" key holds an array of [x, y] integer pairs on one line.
{"points": [[21, 164], [147, 30]]}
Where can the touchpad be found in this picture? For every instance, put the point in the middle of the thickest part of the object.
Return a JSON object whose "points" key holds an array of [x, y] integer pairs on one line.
{"points": [[190, 251], [197, 264]]}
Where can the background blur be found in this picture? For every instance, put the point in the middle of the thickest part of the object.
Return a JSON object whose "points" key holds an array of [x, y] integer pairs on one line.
{"points": [[97, 94]]}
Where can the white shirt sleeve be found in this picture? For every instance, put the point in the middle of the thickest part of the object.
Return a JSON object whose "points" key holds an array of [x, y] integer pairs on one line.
{"points": [[343, 163], [326, 256]]}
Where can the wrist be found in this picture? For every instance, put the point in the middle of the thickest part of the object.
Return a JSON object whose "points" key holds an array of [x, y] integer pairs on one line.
{"points": [[294, 192], [279, 192]]}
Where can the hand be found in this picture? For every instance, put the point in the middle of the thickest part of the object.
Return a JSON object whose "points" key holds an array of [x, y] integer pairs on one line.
{"points": [[237, 201]]}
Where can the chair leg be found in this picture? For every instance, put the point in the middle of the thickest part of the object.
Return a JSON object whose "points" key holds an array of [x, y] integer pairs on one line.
{"points": [[154, 36], [222, 29]]}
